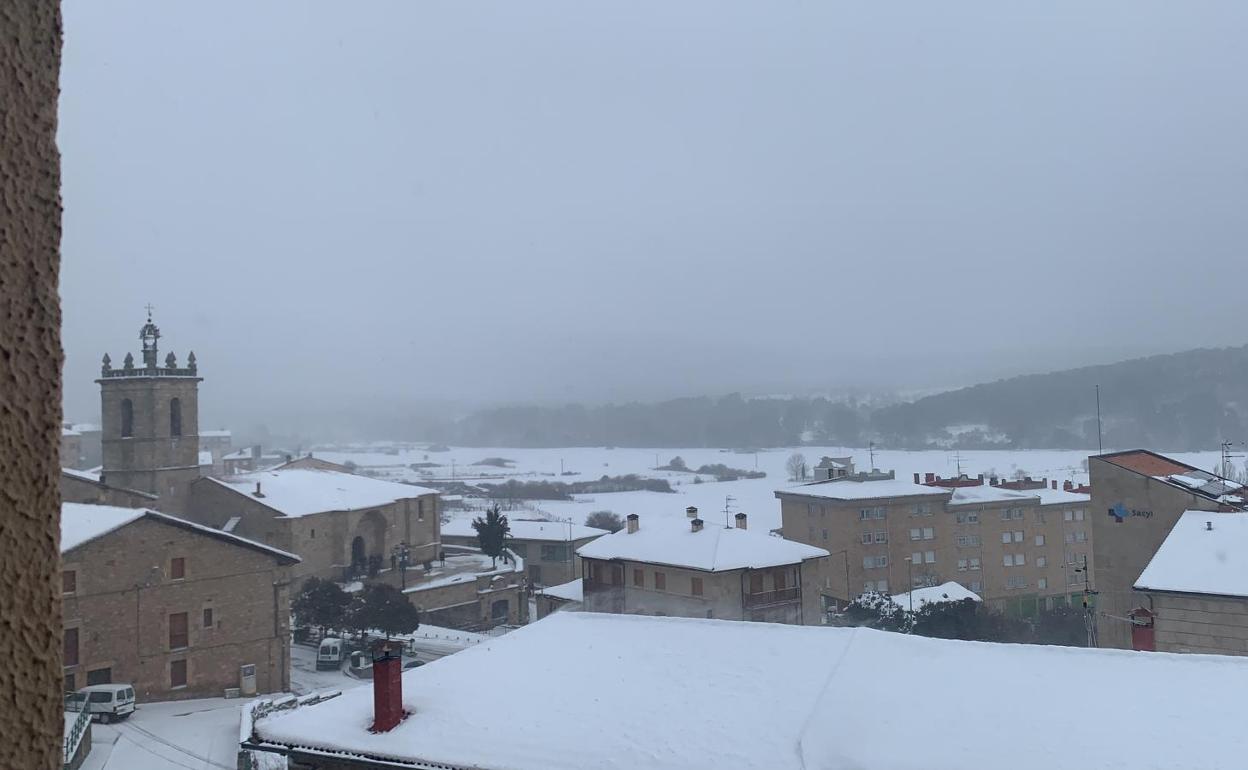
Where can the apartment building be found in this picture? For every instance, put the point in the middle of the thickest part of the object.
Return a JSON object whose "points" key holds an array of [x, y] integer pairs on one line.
{"points": [[1019, 550], [174, 608], [548, 548], [1137, 497], [689, 569]]}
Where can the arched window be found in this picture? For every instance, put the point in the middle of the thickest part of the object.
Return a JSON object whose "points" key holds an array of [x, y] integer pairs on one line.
{"points": [[127, 418], [175, 417]]}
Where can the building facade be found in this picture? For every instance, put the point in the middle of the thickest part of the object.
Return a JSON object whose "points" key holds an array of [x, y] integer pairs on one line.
{"points": [[150, 422], [1137, 496], [83, 487], [696, 571], [341, 525], [1018, 550], [177, 610]]}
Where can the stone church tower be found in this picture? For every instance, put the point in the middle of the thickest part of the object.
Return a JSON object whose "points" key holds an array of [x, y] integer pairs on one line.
{"points": [[150, 422]]}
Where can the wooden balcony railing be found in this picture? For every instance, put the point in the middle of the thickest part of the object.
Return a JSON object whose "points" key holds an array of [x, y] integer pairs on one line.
{"points": [[777, 596]]}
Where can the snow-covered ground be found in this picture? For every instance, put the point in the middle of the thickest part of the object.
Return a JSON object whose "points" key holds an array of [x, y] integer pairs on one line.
{"points": [[196, 734], [753, 496]]}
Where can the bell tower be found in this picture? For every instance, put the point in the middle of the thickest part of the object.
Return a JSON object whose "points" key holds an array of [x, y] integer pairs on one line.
{"points": [[149, 418]]}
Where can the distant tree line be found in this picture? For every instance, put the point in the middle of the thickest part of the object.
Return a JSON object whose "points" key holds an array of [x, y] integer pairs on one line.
{"points": [[1183, 401]]}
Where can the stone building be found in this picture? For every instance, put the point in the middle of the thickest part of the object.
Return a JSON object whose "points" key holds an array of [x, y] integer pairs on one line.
{"points": [[687, 569], [176, 609], [1194, 591], [467, 590], [86, 487], [338, 523], [1019, 550], [150, 422], [547, 547], [71, 449], [1137, 496]]}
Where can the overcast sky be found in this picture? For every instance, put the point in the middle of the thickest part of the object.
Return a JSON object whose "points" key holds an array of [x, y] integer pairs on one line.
{"points": [[372, 205]]}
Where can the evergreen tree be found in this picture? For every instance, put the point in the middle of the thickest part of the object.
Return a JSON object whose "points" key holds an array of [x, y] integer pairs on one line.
{"points": [[321, 604], [492, 533], [384, 608]]}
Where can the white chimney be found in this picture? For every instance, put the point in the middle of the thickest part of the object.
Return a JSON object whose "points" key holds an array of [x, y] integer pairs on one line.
{"points": [[696, 525], [633, 523], [740, 521], [691, 512]]}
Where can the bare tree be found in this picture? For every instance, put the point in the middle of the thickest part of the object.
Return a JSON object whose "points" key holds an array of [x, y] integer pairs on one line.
{"points": [[796, 466]]}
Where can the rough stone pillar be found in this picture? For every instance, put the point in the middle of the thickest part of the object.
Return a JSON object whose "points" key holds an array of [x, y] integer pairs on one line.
{"points": [[30, 386]]}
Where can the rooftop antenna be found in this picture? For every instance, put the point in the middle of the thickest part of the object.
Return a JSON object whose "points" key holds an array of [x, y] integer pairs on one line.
{"points": [[871, 451], [1100, 449], [957, 456], [1227, 457], [728, 501]]}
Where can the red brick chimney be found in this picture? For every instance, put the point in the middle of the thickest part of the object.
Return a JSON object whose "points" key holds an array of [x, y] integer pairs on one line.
{"points": [[387, 688]]}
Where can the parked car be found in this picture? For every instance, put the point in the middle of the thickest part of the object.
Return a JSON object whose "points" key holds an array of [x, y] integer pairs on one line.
{"points": [[329, 654], [105, 701]]}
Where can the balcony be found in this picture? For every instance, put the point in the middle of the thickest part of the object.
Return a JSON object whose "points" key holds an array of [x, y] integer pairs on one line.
{"points": [[767, 598]]}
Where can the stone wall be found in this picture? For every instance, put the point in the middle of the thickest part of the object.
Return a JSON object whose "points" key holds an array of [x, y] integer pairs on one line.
{"points": [[80, 490], [30, 386], [1187, 623]]}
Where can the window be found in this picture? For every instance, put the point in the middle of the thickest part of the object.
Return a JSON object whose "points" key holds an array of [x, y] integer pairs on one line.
{"points": [[127, 418], [923, 509], [962, 565], [1018, 537], [881, 537], [1005, 537], [1040, 517], [1008, 560], [971, 517], [177, 673], [639, 577], [313, 533], [1081, 536], [756, 582], [1020, 559], [916, 557], [974, 564], [929, 533], [929, 557], [70, 683], [69, 581], [1016, 581], [867, 538], [207, 617], [420, 509], [874, 562], [1042, 583], [175, 417], [660, 581], [177, 568], [71, 647], [968, 541], [871, 513], [812, 509], [1070, 537], [1042, 561], [825, 534], [557, 552], [976, 585], [1039, 540], [100, 676], [695, 586], [880, 586], [916, 534], [179, 635]]}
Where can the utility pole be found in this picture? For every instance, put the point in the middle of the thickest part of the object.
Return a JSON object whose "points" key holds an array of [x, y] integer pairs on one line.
{"points": [[1227, 457], [1100, 449], [1089, 613]]}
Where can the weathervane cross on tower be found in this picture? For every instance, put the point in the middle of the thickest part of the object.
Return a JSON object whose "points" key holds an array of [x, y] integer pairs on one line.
{"points": [[149, 307]]}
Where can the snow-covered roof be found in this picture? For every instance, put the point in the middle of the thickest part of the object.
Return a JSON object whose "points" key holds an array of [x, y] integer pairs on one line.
{"points": [[1196, 559], [84, 475], [852, 489], [520, 529], [715, 548], [674, 688], [69, 432], [986, 493], [946, 592], [215, 434], [1060, 497], [301, 491], [85, 427], [83, 522], [573, 591]]}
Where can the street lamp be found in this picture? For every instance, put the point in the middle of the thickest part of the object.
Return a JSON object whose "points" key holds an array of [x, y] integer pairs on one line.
{"points": [[401, 556]]}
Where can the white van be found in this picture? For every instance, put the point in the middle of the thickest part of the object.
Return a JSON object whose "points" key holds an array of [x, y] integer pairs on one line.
{"points": [[107, 701], [329, 654]]}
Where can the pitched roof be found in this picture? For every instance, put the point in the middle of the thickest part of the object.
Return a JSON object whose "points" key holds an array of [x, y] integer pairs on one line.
{"points": [[674, 690], [1145, 462], [1061, 497], [83, 522], [946, 592], [1181, 475], [853, 489], [1205, 553], [521, 529], [301, 491], [93, 477], [714, 549]]}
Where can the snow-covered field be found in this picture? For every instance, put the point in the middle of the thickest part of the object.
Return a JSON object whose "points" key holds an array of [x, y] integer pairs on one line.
{"points": [[753, 496]]}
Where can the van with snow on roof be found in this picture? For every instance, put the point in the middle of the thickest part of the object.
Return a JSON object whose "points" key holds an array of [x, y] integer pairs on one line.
{"points": [[329, 654], [108, 702]]}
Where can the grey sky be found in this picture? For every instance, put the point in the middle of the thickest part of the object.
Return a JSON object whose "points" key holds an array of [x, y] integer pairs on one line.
{"points": [[390, 203]]}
